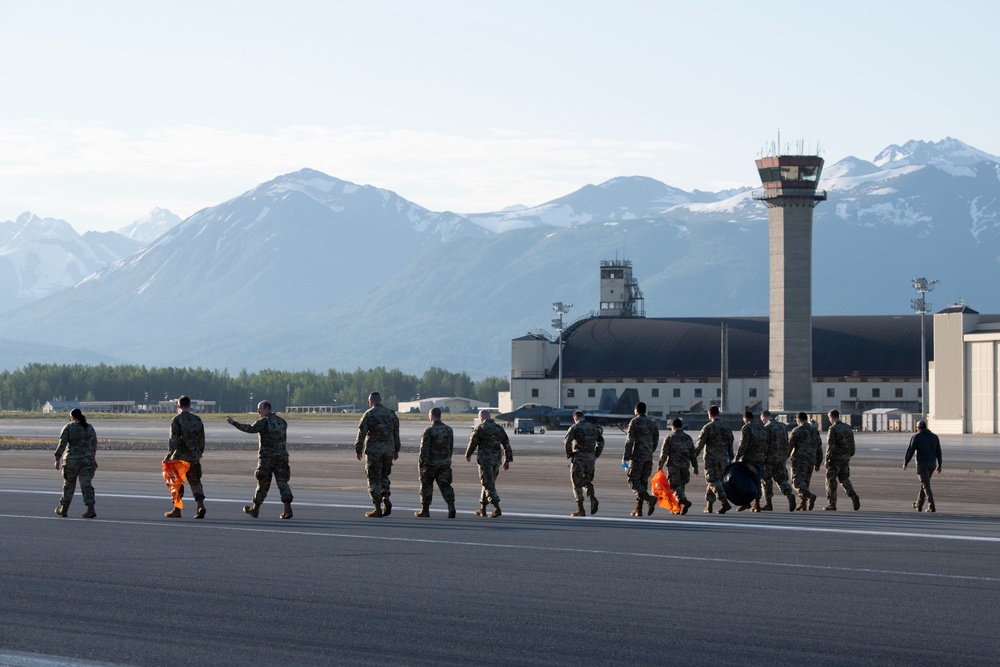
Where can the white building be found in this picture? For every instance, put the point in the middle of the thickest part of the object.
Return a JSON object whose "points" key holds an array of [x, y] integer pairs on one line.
{"points": [[964, 374]]}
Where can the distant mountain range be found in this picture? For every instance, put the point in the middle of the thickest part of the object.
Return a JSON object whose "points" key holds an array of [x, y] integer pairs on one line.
{"points": [[309, 271]]}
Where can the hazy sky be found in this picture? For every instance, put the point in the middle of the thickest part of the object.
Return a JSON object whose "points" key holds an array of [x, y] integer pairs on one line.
{"points": [[112, 108]]}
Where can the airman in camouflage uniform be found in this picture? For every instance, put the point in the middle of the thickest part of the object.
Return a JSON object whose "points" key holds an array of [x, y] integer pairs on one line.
{"points": [[807, 455], [716, 439], [752, 450], [584, 443], [78, 441], [491, 445], [272, 458], [641, 437], [434, 463], [187, 443], [678, 454], [839, 450], [775, 462], [378, 438]]}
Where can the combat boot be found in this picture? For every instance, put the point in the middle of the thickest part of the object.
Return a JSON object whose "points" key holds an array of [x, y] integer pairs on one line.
{"points": [[482, 509], [175, 513], [768, 507], [650, 504], [287, 514], [708, 507], [756, 505], [62, 510], [830, 507], [579, 509], [725, 506], [425, 510], [812, 500], [593, 505], [90, 513], [387, 507], [252, 509], [916, 505], [791, 501], [496, 511], [931, 508], [375, 513], [685, 506], [803, 504], [200, 510], [856, 500], [638, 508], [742, 508], [451, 510]]}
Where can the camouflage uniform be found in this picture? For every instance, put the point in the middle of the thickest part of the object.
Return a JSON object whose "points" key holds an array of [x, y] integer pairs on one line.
{"points": [[584, 443], [187, 443], [493, 445], [716, 439], [753, 448], [678, 455], [378, 438], [436, 446], [272, 456], [641, 437], [807, 454], [775, 460], [839, 450], [79, 444]]}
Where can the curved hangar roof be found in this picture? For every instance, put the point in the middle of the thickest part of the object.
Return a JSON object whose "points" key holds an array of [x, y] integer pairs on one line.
{"points": [[690, 347]]}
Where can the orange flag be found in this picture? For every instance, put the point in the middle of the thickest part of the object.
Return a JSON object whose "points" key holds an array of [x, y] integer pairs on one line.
{"points": [[661, 489], [175, 474]]}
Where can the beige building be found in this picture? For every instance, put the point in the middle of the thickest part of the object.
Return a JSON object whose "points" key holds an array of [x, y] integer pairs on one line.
{"points": [[964, 376]]}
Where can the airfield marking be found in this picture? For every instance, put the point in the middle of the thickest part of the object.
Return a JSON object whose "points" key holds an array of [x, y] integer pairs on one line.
{"points": [[605, 519], [462, 543]]}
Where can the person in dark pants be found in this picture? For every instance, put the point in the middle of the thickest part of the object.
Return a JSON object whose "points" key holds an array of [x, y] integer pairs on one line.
{"points": [[927, 447]]}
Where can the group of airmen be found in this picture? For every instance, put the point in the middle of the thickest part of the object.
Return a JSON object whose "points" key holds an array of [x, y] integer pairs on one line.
{"points": [[765, 445]]}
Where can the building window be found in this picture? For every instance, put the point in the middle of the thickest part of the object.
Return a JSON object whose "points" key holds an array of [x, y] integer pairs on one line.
{"points": [[831, 392], [677, 392], [853, 391], [876, 392], [534, 393], [697, 392], [753, 392], [591, 392], [920, 392], [899, 392], [570, 393], [656, 393], [718, 392]]}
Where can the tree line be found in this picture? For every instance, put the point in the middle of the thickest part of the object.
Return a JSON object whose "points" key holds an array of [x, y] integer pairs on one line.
{"points": [[30, 387]]}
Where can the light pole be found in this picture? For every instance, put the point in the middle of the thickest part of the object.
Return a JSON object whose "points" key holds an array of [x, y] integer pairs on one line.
{"points": [[561, 309], [920, 306]]}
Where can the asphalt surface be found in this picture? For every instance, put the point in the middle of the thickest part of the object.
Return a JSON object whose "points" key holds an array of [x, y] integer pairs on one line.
{"points": [[883, 586]]}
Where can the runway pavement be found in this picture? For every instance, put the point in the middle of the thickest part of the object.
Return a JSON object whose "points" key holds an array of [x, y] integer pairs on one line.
{"points": [[532, 587]]}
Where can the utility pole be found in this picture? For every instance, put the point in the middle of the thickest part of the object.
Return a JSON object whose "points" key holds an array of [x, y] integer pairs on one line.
{"points": [[920, 306], [561, 309]]}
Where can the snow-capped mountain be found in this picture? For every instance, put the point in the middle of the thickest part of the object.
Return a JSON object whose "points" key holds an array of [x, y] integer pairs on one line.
{"points": [[309, 271], [39, 256], [151, 226]]}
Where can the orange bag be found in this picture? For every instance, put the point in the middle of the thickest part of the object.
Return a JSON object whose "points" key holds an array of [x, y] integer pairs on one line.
{"points": [[175, 474], [665, 495]]}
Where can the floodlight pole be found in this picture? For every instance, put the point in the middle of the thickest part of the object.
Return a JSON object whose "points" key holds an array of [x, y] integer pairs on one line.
{"points": [[920, 306], [561, 309]]}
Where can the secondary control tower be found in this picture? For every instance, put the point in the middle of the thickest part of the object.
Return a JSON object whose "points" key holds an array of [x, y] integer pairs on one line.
{"points": [[789, 190]]}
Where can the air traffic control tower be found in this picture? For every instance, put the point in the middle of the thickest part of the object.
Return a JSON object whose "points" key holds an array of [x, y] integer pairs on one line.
{"points": [[790, 194]]}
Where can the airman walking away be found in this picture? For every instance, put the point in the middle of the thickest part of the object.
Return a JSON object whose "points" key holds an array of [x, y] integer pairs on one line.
{"points": [[584, 443], [272, 458], [641, 437], [378, 438], [678, 455], [807, 456], [752, 450], [78, 442], [839, 450], [187, 443], [927, 447], [490, 444], [434, 464], [776, 462], [716, 440]]}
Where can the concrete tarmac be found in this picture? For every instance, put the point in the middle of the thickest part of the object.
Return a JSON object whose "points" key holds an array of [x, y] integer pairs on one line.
{"points": [[883, 586]]}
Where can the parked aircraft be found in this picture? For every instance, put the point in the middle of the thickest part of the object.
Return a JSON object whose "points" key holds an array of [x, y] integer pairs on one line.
{"points": [[611, 411]]}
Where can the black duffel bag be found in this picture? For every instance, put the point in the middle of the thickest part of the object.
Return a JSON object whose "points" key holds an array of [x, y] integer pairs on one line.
{"points": [[741, 483]]}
